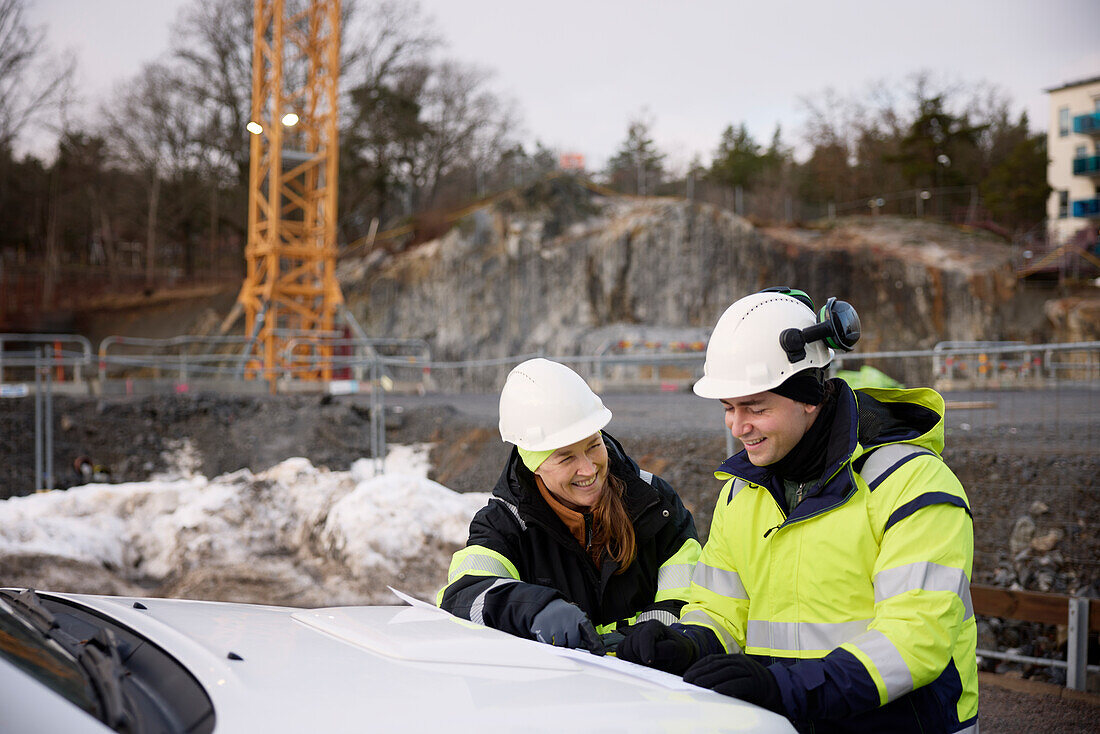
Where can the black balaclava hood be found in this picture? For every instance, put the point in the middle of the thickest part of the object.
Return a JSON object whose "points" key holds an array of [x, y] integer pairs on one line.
{"points": [[807, 459], [807, 386]]}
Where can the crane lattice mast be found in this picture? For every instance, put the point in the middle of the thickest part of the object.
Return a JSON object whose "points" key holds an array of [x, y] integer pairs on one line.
{"points": [[290, 293]]}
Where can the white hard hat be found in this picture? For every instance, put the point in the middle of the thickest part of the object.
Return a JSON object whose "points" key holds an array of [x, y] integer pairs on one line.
{"points": [[744, 354], [545, 405]]}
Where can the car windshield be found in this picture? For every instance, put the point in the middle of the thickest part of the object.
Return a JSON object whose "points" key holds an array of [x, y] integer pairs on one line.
{"points": [[24, 646], [103, 667]]}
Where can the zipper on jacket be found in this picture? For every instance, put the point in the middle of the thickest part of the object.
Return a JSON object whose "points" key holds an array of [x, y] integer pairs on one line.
{"points": [[798, 494], [844, 500], [588, 531]]}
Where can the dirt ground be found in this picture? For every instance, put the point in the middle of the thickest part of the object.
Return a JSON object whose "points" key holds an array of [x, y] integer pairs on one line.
{"points": [[135, 436]]}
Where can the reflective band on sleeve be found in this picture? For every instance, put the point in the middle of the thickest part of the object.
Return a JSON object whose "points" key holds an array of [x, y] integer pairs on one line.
{"points": [[701, 618], [888, 661], [513, 509], [487, 565], [477, 609], [662, 616], [802, 636], [924, 576], [674, 576], [883, 461], [720, 581], [646, 476]]}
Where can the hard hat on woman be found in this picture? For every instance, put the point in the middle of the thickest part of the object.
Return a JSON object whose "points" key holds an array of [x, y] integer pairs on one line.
{"points": [[545, 405]]}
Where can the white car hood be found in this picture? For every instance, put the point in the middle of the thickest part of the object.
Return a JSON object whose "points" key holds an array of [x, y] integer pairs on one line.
{"points": [[409, 669]]}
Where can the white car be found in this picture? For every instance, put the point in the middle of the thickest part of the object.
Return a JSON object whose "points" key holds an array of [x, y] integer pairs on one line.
{"points": [[77, 663]]}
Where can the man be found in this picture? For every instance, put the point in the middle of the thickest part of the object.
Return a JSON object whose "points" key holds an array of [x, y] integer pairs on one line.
{"points": [[835, 584]]}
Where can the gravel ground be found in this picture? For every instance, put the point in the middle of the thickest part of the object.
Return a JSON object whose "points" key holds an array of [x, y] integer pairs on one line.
{"points": [[1004, 469]]}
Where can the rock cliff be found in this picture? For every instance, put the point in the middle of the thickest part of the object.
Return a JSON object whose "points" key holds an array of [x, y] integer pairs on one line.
{"points": [[519, 277]]}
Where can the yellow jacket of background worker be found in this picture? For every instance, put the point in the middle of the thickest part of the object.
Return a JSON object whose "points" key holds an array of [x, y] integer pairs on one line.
{"points": [[859, 601]]}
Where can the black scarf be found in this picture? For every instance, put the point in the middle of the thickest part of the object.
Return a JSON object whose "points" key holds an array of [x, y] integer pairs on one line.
{"points": [[807, 459]]}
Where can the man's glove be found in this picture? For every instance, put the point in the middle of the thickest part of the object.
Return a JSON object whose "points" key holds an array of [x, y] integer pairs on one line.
{"points": [[657, 646], [739, 676], [565, 625]]}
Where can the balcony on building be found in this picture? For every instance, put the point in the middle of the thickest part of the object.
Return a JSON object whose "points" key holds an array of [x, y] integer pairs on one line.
{"points": [[1087, 166], [1087, 124], [1087, 208]]}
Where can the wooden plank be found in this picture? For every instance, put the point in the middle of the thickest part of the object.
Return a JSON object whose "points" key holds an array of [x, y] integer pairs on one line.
{"points": [[1033, 688], [1027, 606]]}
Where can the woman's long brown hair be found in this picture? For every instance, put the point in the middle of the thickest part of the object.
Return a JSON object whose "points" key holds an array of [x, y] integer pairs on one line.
{"points": [[612, 527]]}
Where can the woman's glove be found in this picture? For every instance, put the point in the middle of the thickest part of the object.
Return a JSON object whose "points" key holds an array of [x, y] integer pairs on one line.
{"points": [[738, 676], [658, 646], [565, 625]]}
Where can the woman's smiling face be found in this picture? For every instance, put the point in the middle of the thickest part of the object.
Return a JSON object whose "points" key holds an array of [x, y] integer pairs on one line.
{"points": [[577, 474]]}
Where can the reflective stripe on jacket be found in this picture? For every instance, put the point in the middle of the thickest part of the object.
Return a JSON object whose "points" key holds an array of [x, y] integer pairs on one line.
{"points": [[520, 555], [860, 599]]}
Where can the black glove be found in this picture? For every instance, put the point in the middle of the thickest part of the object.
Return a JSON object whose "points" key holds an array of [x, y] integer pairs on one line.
{"points": [[565, 625], [657, 646], [739, 676]]}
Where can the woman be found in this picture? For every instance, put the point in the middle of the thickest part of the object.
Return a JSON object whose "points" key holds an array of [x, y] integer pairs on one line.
{"points": [[576, 543]]}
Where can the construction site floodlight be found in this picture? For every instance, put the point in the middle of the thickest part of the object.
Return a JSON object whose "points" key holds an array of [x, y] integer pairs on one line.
{"points": [[290, 119], [254, 127]]}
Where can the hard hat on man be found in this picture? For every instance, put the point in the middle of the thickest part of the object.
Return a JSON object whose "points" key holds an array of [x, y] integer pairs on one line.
{"points": [[745, 355]]}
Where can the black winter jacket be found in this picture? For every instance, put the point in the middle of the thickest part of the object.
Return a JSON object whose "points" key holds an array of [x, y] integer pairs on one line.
{"points": [[518, 526]]}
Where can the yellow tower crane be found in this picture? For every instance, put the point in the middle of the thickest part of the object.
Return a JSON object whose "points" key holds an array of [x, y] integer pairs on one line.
{"points": [[290, 292]]}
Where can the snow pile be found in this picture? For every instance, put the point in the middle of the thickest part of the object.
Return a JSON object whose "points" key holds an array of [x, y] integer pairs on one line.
{"points": [[294, 521], [381, 524]]}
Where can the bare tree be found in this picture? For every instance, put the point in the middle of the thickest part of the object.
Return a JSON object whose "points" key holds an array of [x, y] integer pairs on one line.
{"points": [[153, 127], [31, 85], [213, 55], [382, 39], [466, 124]]}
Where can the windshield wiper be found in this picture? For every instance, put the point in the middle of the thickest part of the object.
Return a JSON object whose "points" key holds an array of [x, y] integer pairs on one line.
{"points": [[97, 657], [27, 602]]}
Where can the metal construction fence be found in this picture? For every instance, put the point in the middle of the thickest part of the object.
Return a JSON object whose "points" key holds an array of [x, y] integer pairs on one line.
{"points": [[1046, 395]]}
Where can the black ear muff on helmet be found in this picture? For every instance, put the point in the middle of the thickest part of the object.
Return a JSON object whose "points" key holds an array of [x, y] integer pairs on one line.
{"points": [[837, 325]]}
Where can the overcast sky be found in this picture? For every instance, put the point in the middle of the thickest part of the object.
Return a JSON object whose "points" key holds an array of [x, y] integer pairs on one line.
{"points": [[581, 70]]}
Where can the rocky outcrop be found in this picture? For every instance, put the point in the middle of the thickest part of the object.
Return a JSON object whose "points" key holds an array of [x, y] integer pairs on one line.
{"points": [[1074, 319], [512, 280]]}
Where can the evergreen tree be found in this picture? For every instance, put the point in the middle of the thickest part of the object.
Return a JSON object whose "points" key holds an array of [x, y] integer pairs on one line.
{"points": [[937, 146], [738, 160], [1016, 190], [638, 166]]}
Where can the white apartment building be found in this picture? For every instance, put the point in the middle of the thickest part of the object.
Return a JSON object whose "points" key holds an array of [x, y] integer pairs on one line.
{"points": [[1073, 149]]}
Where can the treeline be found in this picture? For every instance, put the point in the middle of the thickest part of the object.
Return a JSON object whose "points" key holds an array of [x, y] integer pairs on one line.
{"points": [[154, 184], [950, 151]]}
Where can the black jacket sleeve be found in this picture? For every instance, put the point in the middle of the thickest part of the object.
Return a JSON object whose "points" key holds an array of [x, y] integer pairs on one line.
{"points": [[484, 584]]}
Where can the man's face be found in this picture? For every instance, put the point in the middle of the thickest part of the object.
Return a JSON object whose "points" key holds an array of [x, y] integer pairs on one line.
{"points": [[577, 474], [768, 425]]}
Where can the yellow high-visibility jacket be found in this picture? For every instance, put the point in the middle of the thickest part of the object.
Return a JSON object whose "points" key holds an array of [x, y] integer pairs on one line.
{"points": [[859, 600]]}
